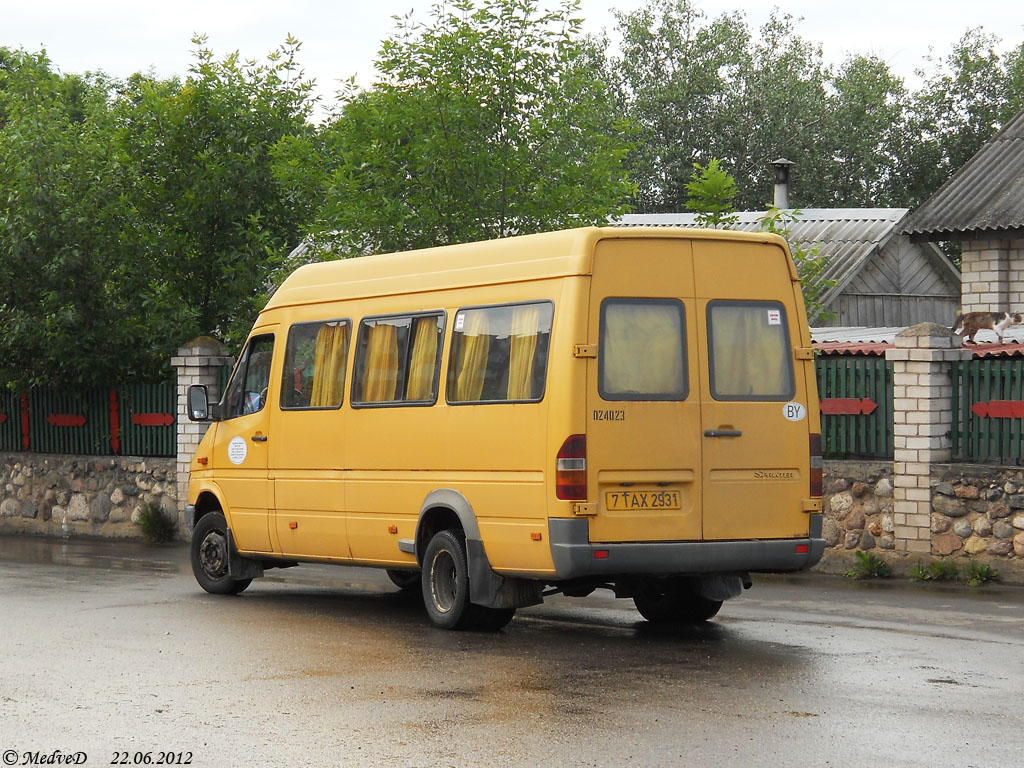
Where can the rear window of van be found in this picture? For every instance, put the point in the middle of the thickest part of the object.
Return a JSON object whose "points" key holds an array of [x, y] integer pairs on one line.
{"points": [[751, 357], [642, 354]]}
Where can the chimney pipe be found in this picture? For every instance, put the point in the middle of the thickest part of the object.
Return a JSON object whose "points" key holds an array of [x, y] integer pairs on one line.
{"points": [[782, 166]]}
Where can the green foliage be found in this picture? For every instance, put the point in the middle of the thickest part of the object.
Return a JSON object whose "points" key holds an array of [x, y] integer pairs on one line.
{"points": [[938, 570], [979, 573], [489, 119], [137, 215], [868, 565], [156, 526], [711, 193], [698, 88]]}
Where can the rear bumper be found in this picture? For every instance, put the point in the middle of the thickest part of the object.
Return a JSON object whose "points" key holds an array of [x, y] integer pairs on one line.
{"points": [[573, 554]]}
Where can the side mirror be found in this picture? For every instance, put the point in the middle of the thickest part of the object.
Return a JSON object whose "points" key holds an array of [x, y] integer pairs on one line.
{"points": [[198, 403]]}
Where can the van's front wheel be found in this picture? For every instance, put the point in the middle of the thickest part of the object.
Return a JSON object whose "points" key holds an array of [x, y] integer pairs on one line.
{"points": [[664, 602], [209, 555]]}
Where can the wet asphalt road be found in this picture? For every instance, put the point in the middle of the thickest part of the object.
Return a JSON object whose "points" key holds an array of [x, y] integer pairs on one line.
{"points": [[111, 648]]}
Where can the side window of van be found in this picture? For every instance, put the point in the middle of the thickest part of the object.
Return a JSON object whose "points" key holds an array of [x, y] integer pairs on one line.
{"points": [[500, 354], [642, 354], [398, 360], [314, 365], [750, 351], [247, 391]]}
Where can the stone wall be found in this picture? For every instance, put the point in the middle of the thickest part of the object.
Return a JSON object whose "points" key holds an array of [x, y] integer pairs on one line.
{"points": [[976, 511], [91, 495]]}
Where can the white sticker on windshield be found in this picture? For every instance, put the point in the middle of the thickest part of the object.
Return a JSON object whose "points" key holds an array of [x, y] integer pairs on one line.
{"points": [[794, 412], [774, 317], [460, 321], [237, 450]]}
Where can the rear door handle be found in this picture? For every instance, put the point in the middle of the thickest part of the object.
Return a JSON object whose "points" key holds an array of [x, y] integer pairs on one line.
{"points": [[722, 433], [259, 438]]}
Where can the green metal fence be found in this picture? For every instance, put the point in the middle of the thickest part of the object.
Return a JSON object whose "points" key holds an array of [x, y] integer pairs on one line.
{"points": [[856, 407], [134, 420], [988, 408]]}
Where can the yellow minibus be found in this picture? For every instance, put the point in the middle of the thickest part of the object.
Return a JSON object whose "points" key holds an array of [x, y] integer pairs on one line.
{"points": [[624, 408]]}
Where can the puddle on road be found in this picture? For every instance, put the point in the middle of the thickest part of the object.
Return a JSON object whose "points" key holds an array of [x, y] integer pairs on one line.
{"points": [[99, 554]]}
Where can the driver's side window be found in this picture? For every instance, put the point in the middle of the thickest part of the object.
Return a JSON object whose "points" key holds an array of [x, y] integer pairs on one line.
{"points": [[247, 391]]}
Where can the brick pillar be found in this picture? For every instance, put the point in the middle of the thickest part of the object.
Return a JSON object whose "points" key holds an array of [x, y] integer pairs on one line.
{"points": [[1015, 275], [198, 362], [986, 273], [922, 419]]}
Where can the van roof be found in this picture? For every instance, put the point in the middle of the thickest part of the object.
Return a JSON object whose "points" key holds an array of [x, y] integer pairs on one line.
{"points": [[512, 259]]}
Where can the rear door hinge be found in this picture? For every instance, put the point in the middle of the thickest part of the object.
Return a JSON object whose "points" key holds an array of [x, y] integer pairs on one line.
{"points": [[811, 505], [803, 353], [584, 508], [584, 350]]}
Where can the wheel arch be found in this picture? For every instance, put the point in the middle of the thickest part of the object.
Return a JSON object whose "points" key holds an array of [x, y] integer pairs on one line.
{"points": [[442, 509]]}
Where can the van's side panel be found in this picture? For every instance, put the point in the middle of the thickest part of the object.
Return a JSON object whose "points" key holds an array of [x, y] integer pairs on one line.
{"points": [[307, 460], [493, 454]]}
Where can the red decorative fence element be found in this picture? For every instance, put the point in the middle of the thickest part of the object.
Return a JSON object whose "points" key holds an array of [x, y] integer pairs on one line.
{"points": [[848, 406], [152, 419], [999, 409], [65, 420], [115, 422], [3, 418]]}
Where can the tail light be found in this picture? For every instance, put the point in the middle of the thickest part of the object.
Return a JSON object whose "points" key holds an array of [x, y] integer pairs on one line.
{"points": [[571, 469], [817, 466]]}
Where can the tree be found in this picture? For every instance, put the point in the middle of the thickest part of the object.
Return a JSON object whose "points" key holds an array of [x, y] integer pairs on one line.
{"points": [[964, 100], [712, 192], [488, 120], [66, 282], [217, 221]]}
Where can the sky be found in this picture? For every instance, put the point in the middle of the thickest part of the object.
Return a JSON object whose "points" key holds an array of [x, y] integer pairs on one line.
{"points": [[341, 38]]}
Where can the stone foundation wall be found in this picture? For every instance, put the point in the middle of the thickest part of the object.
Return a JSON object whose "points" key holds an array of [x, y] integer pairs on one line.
{"points": [[93, 495], [977, 511]]}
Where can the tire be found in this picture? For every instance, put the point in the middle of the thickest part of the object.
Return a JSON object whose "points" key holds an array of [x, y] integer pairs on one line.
{"points": [[668, 602], [491, 619], [407, 581], [445, 581], [209, 555]]}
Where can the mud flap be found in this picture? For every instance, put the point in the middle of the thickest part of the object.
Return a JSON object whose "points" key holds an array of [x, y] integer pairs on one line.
{"points": [[720, 587], [492, 590], [241, 567]]}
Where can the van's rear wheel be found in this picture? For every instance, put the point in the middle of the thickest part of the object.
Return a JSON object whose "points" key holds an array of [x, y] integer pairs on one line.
{"points": [[670, 602], [445, 581], [407, 581], [209, 554]]}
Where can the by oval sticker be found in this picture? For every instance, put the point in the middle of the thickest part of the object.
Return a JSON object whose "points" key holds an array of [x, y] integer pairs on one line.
{"points": [[794, 412], [237, 450]]}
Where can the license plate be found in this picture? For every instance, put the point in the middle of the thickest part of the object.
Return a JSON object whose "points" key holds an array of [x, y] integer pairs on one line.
{"points": [[619, 501]]}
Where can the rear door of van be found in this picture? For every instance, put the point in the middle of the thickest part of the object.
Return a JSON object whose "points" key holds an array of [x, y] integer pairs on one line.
{"points": [[697, 412], [643, 399], [754, 393]]}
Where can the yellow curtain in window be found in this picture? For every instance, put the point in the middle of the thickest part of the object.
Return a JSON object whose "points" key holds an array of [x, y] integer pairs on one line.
{"points": [[420, 385], [472, 359], [749, 354], [329, 356], [643, 350], [525, 328], [380, 373]]}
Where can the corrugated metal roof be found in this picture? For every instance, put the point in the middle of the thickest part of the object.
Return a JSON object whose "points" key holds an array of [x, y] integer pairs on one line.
{"points": [[986, 195], [874, 341], [845, 236]]}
